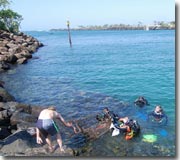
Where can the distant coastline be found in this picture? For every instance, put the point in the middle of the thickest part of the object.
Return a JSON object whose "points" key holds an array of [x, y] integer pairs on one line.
{"points": [[156, 26]]}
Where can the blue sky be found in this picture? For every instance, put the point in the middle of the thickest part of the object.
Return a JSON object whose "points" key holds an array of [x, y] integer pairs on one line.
{"points": [[48, 14]]}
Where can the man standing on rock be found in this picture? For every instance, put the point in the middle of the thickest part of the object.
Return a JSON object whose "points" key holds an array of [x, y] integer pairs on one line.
{"points": [[47, 127]]}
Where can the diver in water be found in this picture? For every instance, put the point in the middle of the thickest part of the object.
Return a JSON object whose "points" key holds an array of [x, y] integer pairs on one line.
{"points": [[107, 115], [119, 125], [122, 124], [141, 102], [127, 126], [158, 115]]}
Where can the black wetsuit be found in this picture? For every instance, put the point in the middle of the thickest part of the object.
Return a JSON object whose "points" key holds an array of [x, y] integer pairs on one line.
{"points": [[141, 102], [111, 115], [108, 115], [158, 117]]}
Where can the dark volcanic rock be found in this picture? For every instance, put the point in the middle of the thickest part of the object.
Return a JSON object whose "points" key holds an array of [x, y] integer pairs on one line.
{"points": [[21, 143], [17, 143], [16, 48], [4, 65], [21, 117], [12, 59], [22, 61], [5, 96]]}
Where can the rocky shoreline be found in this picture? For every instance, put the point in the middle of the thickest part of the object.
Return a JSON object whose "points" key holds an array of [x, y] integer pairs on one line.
{"points": [[16, 49], [17, 120]]}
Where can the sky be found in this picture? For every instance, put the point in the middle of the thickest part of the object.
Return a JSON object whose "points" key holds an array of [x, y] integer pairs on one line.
{"points": [[50, 14]]}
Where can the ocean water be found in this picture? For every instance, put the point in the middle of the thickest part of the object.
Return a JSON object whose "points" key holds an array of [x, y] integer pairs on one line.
{"points": [[104, 69]]}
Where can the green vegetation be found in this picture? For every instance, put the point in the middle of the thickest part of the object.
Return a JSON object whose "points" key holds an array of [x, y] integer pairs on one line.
{"points": [[140, 26], [4, 3], [9, 20]]}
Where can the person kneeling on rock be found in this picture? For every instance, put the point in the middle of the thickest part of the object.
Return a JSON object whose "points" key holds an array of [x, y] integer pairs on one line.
{"points": [[47, 127]]}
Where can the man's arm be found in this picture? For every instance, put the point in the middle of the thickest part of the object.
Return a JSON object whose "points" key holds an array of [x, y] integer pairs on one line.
{"points": [[68, 124]]}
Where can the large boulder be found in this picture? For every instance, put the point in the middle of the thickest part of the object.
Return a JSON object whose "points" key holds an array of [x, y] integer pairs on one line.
{"points": [[26, 54], [13, 106], [26, 108], [11, 45], [2, 57], [21, 143], [11, 58], [17, 143], [22, 61], [29, 127], [14, 50], [4, 132], [8, 106], [35, 110], [19, 146], [5, 114], [4, 66], [3, 49], [5, 95], [32, 48], [4, 118], [4, 35], [21, 117]]}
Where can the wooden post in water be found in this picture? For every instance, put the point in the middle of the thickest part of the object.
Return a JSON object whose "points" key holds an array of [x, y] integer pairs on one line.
{"points": [[70, 42]]}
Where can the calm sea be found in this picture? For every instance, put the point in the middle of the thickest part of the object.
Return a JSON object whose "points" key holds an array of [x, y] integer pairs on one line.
{"points": [[103, 69]]}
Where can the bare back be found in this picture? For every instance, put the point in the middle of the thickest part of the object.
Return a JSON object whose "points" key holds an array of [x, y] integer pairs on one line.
{"points": [[48, 114]]}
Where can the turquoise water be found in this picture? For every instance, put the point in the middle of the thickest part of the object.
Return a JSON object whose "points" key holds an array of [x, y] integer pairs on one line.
{"points": [[103, 68]]}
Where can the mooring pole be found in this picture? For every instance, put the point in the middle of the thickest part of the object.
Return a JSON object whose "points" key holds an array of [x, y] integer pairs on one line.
{"points": [[70, 42]]}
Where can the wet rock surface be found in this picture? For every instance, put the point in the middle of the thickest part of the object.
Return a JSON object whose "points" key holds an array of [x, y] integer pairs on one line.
{"points": [[18, 134]]}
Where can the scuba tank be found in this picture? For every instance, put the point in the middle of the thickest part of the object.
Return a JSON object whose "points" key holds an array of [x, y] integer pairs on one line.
{"points": [[134, 129]]}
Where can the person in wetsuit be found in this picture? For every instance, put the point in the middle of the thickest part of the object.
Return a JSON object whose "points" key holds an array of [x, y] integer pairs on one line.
{"points": [[141, 101], [127, 126], [107, 115], [158, 115]]}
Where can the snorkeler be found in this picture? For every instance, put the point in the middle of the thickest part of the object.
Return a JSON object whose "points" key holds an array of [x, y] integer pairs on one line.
{"points": [[158, 115], [141, 101]]}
